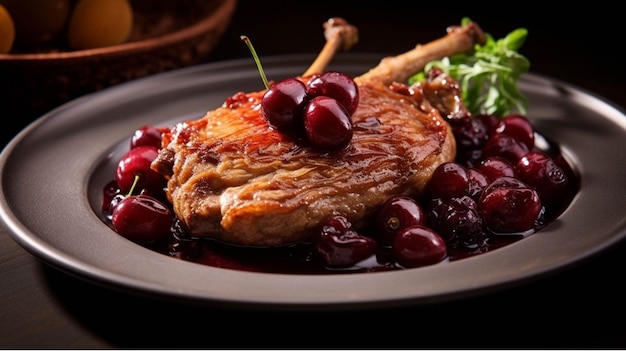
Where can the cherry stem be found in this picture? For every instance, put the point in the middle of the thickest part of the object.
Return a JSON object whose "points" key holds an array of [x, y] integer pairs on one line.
{"points": [[256, 60], [132, 188]]}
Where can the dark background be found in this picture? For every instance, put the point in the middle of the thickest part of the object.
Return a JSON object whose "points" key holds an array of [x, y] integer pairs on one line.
{"points": [[582, 307], [579, 44]]}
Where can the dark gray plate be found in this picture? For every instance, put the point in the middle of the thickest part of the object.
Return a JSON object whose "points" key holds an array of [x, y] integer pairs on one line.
{"points": [[53, 173]]}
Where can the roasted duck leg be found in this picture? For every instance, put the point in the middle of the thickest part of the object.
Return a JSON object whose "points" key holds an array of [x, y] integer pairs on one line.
{"points": [[233, 178]]}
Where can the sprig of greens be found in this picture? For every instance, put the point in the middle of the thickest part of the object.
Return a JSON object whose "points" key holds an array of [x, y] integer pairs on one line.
{"points": [[488, 74]]}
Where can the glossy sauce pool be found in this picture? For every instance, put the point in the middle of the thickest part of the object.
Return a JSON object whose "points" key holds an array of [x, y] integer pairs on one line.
{"points": [[295, 259]]}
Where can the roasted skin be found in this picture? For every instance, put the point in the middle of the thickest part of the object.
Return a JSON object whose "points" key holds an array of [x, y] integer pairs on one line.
{"points": [[233, 178]]}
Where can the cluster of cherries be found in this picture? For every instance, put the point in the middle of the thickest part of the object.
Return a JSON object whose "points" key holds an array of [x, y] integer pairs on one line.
{"points": [[321, 109], [135, 201], [499, 185]]}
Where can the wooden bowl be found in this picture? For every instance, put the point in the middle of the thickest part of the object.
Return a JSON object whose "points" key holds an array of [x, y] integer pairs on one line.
{"points": [[166, 35]]}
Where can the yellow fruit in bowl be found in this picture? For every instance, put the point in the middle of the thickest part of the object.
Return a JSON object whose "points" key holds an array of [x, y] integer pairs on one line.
{"points": [[7, 31], [37, 22], [99, 23]]}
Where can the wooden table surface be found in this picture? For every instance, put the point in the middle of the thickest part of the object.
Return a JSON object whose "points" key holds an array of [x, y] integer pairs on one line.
{"points": [[581, 307]]}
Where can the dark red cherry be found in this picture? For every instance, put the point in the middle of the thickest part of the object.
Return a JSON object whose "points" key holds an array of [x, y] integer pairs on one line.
{"points": [[469, 158], [477, 182], [113, 203], [147, 135], [136, 162], [109, 192], [283, 102], [141, 218], [341, 246], [327, 124], [508, 205], [450, 179], [417, 246], [519, 127], [338, 85], [471, 135], [396, 214], [494, 167], [540, 171], [567, 193], [489, 121], [505, 146], [457, 221]]}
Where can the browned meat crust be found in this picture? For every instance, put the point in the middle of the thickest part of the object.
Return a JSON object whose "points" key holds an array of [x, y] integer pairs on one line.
{"points": [[234, 179]]}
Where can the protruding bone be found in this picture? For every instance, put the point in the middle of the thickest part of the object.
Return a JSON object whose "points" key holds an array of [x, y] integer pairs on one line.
{"points": [[342, 35], [339, 35], [399, 68]]}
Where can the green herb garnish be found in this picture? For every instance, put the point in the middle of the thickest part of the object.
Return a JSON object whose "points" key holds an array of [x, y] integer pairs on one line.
{"points": [[489, 74]]}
